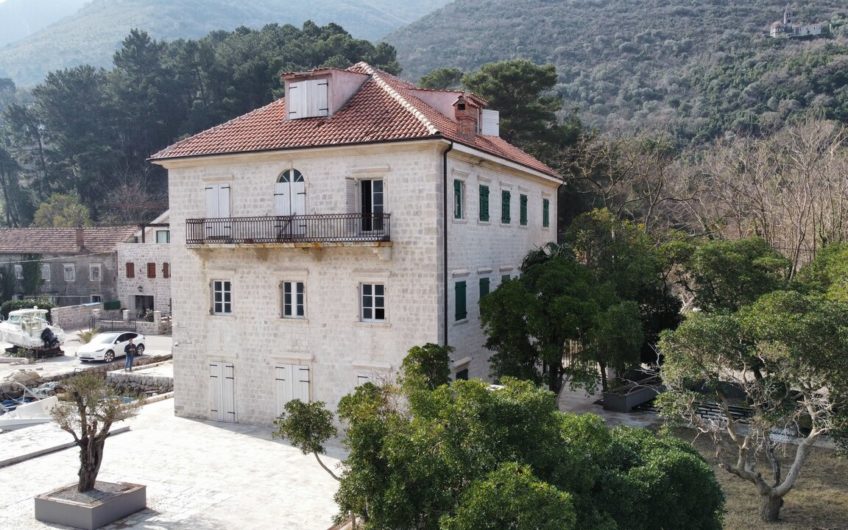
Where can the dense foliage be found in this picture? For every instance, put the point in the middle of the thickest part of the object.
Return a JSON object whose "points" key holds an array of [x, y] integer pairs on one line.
{"points": [[695, 69], [88, 131], [92, 34], [780, 354]]}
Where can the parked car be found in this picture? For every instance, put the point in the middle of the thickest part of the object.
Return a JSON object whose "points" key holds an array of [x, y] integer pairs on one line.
{"points": [[107, 346]]}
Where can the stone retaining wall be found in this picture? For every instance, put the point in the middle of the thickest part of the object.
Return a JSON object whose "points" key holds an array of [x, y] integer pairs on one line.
{"points": [[75, 316]]}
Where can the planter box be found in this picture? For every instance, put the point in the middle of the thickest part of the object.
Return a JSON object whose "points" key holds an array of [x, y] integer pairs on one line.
{"points": [[61, 507], [624, 402]]}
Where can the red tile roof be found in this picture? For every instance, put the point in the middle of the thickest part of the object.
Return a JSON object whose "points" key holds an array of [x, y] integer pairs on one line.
{"points": [[383, 110], [97, 239]]}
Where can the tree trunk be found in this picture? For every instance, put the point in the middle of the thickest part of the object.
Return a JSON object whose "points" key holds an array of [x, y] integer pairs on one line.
{"points": [[770, 507], [604, 383], [91, 455]]}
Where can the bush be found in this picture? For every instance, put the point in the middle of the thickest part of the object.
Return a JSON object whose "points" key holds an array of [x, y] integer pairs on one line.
{"points": [[13, 305], [112, 305]]}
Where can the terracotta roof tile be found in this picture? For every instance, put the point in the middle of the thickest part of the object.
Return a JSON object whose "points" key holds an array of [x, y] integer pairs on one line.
{"points": [[62, 240], [384, 109]]}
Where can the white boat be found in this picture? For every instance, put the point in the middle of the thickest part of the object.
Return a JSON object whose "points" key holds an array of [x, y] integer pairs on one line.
{"points": [[28, 414], [26, 328]]}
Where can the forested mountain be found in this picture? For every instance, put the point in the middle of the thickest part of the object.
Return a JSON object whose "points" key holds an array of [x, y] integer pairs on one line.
{"points": [[695, 68], [92, 34], [19, 18]]}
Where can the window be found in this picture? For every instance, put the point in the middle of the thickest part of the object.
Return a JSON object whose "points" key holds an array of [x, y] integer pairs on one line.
{"points": [[307, 98], [45, 272], [505, 278], [372, 204], [19, 272], [460, 312], [96, 299], [522, 210], [484, 203], [461, 375], [458, 199], [94, 272], [130, 270], [222, 301], [70, 272], [373, 302], [151, 270], [546, 213], [505, 207], [163, 236], [166, 270], [484, 287], [293, 300]]}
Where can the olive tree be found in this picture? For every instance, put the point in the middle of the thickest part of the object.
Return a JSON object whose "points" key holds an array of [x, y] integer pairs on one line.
{"points": [[88, 410], [783, 357]]}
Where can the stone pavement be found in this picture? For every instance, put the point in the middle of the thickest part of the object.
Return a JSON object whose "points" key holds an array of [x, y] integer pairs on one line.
{"points": [[578, 401], [199, 475]]}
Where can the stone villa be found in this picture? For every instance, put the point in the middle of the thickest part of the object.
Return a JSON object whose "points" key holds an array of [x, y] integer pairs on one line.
{"points": [[318, 238]]}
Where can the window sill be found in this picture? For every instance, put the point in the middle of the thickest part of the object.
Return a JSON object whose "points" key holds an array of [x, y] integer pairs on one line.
{"points": [[460, 322], [459, 221], [295, 320], [225, 315], [523, 226], [483, 222], [372, 324]]}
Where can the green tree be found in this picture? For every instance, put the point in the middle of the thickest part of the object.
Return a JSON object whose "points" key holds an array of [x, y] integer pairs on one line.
{"points": [[783, 357], [827, 273], [725, 275], [442, 79], [523, 94], [62, 211], [87, 412], [511, 497], [308, 426], [427, 366]]}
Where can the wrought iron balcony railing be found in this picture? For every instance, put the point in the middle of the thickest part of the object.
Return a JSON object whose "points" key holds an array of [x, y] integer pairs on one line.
{"points": [[321, 228]]}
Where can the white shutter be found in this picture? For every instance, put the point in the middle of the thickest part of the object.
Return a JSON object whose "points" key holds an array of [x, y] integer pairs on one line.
{"points": [[350, 195], [320, 97], [229, 393], [283, 386], [223, 201], [301, 386], [295, 100], [212, 202], [490, 123], [282, 201], [216, 411]]}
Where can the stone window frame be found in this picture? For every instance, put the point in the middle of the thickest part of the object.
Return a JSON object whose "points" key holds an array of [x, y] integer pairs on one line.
{"points": [[374, 307], [226, 302], [95, 267], [69, 267], [296, 284]]}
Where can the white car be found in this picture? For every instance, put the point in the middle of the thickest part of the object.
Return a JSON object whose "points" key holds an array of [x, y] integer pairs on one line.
{"points": [[107, 346]]}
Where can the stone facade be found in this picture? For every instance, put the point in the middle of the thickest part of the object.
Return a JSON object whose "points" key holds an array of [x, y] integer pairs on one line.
{"points": [[89, 278], [135, 292], [339, 349], [75, 316]]}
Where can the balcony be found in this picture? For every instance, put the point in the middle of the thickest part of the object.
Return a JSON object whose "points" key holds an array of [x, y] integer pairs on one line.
{"points": [[343, 229]]}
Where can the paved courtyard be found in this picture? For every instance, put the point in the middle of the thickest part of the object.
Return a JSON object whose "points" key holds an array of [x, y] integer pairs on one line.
{"points": [[199, 475]]}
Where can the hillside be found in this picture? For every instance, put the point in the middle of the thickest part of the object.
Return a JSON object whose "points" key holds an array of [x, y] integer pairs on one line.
{"points": [[20, 18], [93, 33], [694, 68]]}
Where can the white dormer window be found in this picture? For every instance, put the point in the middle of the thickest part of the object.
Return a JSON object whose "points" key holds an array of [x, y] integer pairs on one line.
{"points": [[307, 98]]}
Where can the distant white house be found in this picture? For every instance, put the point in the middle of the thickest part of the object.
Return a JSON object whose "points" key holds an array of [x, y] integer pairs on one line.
{"points": [[786, 29], [318, 238], [144, 269]]}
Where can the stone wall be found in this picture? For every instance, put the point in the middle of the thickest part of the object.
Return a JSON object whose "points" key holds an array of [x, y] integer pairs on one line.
{"points": [[74, 316], [84, 284]]}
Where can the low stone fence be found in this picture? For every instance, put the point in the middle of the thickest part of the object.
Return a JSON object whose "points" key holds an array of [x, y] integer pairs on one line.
{"points": [[75, 316]]}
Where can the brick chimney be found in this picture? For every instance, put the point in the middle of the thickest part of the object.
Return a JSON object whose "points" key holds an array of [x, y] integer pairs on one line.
{"points": [[466, 117], [80, 233]]}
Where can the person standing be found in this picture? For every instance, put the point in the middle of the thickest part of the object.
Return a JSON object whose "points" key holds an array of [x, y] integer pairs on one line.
{"points": [[130, 350]]}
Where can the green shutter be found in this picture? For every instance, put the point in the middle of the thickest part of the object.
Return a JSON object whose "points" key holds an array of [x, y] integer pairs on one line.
{"points": [[546, 213], [459, 295], [457, 199], [522, 215], [484, 287], [505, 207], [484, 203]]}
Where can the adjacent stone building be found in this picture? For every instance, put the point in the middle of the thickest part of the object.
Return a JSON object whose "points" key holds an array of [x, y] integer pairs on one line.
{"points": [[144, 269], [70, 266], [318, 238]]}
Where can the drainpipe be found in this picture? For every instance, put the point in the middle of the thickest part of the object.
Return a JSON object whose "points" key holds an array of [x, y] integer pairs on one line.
{"points": [[445, 234]]}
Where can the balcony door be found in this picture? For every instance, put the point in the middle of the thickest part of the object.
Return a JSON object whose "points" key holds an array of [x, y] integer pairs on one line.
{"points": [[372, 205], [290, 200], [218, 224]]}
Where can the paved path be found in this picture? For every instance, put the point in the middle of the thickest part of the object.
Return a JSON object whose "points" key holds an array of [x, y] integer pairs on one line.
{"points": [[199, 476], [578, 401]]}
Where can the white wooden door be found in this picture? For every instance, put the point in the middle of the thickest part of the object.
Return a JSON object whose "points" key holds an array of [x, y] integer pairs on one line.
{"points": [[222, 405], [217, 210], [290, 382], [290, 201]]}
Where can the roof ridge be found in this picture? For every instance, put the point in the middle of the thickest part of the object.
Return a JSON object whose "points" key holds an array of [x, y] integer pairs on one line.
{"points": [[394, 94]]}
